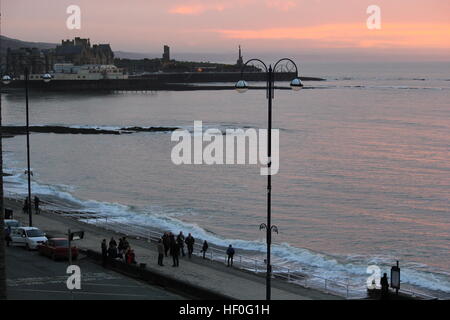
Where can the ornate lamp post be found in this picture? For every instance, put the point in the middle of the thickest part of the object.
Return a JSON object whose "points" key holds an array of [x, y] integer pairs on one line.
{"points": [[7, 80], [242, 86]]}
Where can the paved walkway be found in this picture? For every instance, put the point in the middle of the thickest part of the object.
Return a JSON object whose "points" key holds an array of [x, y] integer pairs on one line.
{"points": [[34, 277], [212, 275]]}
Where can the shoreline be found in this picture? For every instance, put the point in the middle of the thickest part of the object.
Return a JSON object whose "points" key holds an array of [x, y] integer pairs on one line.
{"points": [[77, 211], [108, 224], [241, 284]]}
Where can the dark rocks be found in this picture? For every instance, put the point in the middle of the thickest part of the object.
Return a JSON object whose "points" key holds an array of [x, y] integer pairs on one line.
{"points": [[19, 130]]}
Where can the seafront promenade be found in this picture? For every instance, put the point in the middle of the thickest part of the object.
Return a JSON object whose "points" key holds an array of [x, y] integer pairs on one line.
{"points": [[209, 275]]}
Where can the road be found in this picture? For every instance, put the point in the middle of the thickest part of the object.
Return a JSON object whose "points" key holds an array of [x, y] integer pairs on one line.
{"points": [[34, 277]]}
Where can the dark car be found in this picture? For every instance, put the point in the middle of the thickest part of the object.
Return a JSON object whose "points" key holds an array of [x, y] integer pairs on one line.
{"points": [[57, 248]]}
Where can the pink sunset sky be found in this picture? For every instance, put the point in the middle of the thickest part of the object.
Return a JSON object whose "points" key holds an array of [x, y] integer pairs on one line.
{"points": [[419, 27]]}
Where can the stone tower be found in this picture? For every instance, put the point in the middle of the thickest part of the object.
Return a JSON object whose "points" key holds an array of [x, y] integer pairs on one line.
{"points": [[240, 60]]}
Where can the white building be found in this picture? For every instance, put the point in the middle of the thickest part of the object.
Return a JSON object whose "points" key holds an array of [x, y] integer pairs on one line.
{"points": [[68, 71]]}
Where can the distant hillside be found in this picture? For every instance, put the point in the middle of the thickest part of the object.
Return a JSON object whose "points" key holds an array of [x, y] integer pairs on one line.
{"points": [[6, 43]]}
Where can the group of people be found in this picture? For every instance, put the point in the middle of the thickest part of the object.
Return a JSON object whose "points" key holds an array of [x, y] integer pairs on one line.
{"points": [[114, 251], [26, 204], [169, 245]]}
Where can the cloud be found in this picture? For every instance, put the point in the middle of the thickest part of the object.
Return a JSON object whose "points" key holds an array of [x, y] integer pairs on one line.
{"points": [[283, 5], [354, 35], [197, 8], [200, 7]]}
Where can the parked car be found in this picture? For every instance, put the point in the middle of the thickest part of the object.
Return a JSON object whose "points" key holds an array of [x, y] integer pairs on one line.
{"points": [[29, 237], [11, 223], [57, 248]]}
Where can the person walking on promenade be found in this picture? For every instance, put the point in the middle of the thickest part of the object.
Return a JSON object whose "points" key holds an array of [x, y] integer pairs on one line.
{"points": [[160, 252], [104, 253], [190, 244], [166, 242], [204, 248], [8, 235], [171, 242], [230, 253], [112, 251], [25, 206], [180, 242], [112, 242], [175, 253], [125, 246], [384, 287], [37, 201], [121, 249]]}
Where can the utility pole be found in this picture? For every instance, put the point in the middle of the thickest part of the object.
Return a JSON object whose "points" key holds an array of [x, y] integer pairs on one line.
{"points": [[2, 212]]}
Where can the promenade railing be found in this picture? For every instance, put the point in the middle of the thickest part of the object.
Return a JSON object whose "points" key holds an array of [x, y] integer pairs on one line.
{"points": [[215, 253]]}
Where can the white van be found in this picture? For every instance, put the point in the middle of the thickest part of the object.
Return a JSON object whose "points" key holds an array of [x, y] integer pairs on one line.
{"points": [[29, 237]]}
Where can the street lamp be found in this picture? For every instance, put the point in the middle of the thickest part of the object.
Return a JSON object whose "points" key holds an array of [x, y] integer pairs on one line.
{"points": [[46, 77], [7, 80], [242, 86]]}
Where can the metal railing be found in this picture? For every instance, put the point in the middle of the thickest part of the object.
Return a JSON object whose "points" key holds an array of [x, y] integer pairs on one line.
{"points": [[297, 277], [240, 261]]}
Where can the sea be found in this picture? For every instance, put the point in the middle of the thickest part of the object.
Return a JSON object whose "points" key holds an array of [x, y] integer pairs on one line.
{"points": [[364, 167]]}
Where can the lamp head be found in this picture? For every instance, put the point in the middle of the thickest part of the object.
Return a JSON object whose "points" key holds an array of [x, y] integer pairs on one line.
{"points": [[241, 86], [47, 77], [6, 79], [296, 84]]}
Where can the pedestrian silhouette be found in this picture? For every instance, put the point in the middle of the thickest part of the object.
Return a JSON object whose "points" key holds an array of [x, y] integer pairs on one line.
{"points": [[384, 287], [190, 244], [25, 206], [230, 253], [180, 242], [104, 253], [204, 248], [160, 253], [112, 242], [8, 235], [175, 252], [37, 201], [166, 242]]}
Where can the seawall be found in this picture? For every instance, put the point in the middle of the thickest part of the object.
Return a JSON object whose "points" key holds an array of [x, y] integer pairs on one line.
{"points": [[153, 82]]}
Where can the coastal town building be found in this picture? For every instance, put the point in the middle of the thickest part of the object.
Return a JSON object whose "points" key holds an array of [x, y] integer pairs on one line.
{"points": [[80, 52], [240, 60], [77, 52], [69, 71], [36, 60], [166, 54]]}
